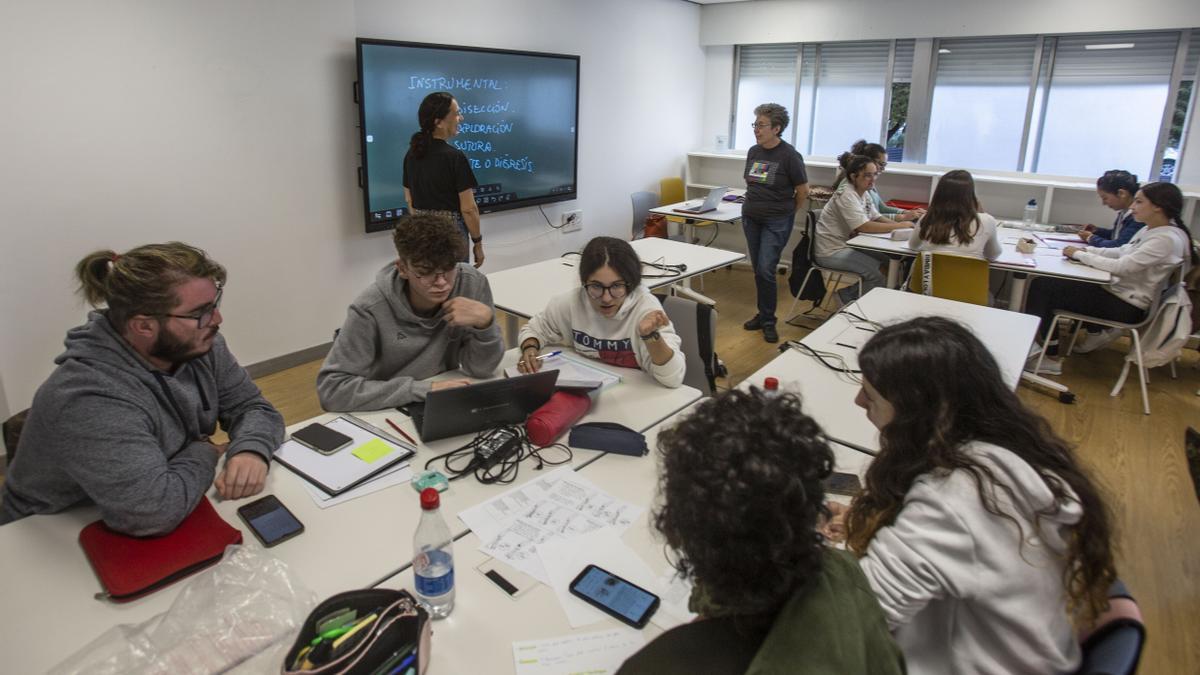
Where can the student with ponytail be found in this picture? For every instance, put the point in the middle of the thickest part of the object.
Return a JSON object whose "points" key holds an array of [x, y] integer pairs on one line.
{"points": [[878, 154], [126, 418], [437, 176]]}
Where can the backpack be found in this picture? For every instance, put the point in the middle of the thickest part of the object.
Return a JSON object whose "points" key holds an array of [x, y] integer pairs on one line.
{"points": [[1166, 336]]}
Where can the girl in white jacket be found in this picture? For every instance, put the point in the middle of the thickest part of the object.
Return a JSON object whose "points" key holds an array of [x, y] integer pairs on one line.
{"points": [[984, 540], [954, 223], [611, 317], [1139, 270]]}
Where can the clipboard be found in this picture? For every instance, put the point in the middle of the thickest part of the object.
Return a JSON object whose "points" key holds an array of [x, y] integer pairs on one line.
{"points": [[348, 468]]}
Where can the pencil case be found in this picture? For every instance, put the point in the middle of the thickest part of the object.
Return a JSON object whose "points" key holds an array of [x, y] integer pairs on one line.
{"points": [[609, 437], [394, 635]]}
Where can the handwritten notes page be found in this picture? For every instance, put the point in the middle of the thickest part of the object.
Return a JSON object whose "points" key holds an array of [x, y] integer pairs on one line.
{"points": [[557, 506], [592, 653]]}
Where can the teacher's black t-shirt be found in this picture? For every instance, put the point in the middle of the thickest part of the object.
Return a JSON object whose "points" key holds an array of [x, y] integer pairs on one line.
{"points": [[436, 179], [771, 180]]}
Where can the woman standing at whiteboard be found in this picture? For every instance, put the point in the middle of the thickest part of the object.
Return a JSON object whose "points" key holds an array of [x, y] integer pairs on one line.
{"points": [[437, 176]]}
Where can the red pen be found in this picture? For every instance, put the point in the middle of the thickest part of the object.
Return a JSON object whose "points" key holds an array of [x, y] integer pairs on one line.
{"points": [[401, 431]]}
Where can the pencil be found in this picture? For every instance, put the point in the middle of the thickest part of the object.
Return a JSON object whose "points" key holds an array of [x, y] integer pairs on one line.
{"points": [[400, 431]]}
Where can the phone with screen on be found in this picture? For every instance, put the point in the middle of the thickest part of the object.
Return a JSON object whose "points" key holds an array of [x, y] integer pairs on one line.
{"points": [[270, 520], [625, 601]]}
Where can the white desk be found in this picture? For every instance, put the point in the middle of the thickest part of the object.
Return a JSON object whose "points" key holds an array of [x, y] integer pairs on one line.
{"points": [[477, 637], [524, 291], [1049, 262], [829, 395], [726, 212], [47, 581]]}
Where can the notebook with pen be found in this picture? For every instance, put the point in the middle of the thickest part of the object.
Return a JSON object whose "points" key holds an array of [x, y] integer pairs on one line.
{"points": [[131, 567], [371, 453]]}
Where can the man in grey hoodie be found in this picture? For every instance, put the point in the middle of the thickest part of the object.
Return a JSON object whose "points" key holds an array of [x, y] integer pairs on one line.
{"points": [[425, 314], [125, 419]]}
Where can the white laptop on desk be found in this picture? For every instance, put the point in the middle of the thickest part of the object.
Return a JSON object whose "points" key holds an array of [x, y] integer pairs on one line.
{"points": [[709, 204]]}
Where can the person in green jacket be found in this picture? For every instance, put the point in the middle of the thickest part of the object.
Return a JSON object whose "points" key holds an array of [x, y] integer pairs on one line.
{"points": [[742, 496]]}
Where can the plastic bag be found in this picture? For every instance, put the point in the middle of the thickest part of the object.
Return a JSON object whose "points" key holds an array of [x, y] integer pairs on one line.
{"points": [[249, 603]]}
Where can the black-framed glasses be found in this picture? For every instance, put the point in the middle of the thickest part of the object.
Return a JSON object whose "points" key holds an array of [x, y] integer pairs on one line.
{"points": [[204, 317], [616, 290], [431, 277], [760, 125]]}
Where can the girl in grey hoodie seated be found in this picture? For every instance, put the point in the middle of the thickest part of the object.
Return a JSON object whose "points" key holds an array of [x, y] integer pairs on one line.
{"points": [[984, 540]]}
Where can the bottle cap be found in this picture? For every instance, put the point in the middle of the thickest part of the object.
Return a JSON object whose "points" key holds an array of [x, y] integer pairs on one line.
{"points": [[430, 499], [771, 384]]}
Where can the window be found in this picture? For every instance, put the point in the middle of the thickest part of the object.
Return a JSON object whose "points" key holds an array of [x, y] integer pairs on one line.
{"points": [[766, 74], [980, 95], [1105, 103], [1185, 101], [897, 122], [849, 100]]}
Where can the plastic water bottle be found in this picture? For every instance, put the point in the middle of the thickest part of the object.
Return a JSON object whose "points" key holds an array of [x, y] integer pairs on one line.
{"points": [[433, 558], [1030, 213], [771, 387]]}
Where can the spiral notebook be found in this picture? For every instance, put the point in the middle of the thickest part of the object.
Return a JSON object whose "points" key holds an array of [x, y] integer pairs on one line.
{"points": [[372, 453]]}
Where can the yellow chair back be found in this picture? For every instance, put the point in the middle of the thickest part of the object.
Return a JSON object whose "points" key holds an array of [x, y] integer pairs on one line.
{"points": [[670, 190], [954, 277]]}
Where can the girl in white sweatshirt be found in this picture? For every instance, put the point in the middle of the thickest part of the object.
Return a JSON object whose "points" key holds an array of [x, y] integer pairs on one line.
{"points": [[983, 539], [611, 317], [1139, 269], [954, 223]]}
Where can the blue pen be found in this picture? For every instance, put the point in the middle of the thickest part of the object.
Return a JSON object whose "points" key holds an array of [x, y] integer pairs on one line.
{"points": [[546, 356], [403, 664]]}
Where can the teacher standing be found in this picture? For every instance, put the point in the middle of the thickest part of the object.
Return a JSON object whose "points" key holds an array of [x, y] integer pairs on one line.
{"points": [[437, 176], [776, 187]]}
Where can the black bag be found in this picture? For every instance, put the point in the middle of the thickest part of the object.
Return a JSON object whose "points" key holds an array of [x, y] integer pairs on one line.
{"points": [[814, 290], [402, 627]]}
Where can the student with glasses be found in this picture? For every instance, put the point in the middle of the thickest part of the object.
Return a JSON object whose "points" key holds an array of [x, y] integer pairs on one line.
{"points": [[125, 419], [850, 212], [611, 317], [426, 313], [776, 188], [878, 153]]}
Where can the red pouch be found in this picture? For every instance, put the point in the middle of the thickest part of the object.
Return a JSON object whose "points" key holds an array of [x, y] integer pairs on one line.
{"points": [[556, 416], [130, 567]]}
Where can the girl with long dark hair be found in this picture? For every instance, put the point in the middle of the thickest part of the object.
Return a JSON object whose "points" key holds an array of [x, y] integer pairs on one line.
{"points": [[954, 223], [1116, 189], [984, 539], [437, 176], [878, 154]]}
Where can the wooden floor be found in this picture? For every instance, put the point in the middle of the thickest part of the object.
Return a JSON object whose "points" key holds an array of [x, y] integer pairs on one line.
{"points": [[1139, 459]]}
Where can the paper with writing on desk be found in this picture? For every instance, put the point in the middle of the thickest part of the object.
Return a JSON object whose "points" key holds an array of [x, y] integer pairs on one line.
{"points": [[554, 507], [597, 653], [564, 559]]}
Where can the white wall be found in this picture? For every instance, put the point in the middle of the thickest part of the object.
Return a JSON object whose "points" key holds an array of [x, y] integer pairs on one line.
{"points": [[833, 20], [228, 124]]}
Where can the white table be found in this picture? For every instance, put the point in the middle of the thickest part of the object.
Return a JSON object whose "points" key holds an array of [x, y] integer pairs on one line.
{"points": [[522, 292], [829, 395], [477, 637], [47, 581], [1046, 261]]}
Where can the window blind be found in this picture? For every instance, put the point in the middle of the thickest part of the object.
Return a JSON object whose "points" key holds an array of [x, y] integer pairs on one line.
{"points": [[757, 61], [1149, 61], [985, 61], [902, 69], [854, 63]]}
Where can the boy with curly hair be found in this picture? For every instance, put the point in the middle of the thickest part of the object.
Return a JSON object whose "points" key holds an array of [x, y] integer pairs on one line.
{"points": [[425, 314]]}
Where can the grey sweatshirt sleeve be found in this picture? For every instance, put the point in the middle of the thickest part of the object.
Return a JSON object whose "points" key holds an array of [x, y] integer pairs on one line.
{"points": [[482, 348], [113, 454], [343, 384], [253, 424]]}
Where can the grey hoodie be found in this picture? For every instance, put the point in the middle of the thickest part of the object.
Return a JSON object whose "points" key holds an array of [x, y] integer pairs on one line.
{"points": [[109, 428], [384, 350]]}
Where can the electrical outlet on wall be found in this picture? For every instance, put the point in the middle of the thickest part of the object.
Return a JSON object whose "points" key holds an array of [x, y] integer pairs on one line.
{"points": [[572, 221]]}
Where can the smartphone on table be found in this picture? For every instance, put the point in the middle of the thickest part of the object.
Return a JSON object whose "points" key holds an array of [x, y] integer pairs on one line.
{"points": [[270, 520], [623, 600], [846, 484], [321, 438]]}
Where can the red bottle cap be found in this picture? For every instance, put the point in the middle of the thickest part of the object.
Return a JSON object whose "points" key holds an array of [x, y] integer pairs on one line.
{"points": [[430, 499], [771, 384]]}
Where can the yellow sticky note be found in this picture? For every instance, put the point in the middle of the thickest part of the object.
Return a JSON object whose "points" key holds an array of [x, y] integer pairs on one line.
{"points": [[372, 450]]}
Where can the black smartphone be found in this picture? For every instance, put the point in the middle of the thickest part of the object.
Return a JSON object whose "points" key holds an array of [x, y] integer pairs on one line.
{"points": [[322, 439], [625, 601], [270, 520], [843, 484]]}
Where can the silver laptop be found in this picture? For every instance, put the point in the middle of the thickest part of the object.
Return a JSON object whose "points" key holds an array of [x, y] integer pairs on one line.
{"points": [[709, 204]]}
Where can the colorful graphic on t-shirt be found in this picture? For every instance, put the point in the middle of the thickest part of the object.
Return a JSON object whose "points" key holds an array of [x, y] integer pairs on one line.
{"points": [[762, 172], [618, 352]]}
